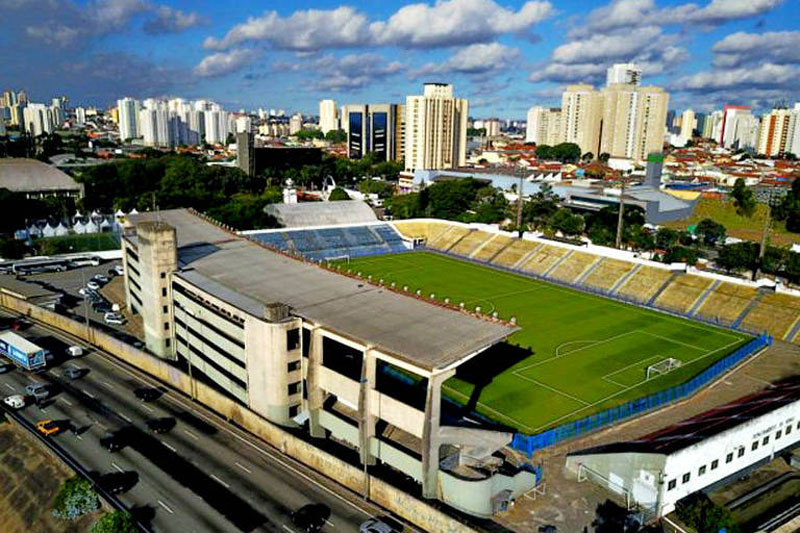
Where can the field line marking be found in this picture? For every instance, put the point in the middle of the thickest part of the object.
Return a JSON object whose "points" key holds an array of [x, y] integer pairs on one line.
{"points": [[558, 348], [548, 387], [609, 380], [492, 410], [673, 341], [543, 361], [624, 368]]}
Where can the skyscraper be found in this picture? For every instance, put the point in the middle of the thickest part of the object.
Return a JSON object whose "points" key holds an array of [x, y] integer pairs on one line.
{"points": [[327, 116], [581, 115], [543, 126], [628, 73], [373, 129], [436, 129], [295, 123], [688, 124], [633, 120], [728, 112], [38, 119], [774, 134], [128, 118]]}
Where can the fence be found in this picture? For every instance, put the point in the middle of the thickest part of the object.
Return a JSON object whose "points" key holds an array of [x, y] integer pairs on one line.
{"points": [[530, 443]]}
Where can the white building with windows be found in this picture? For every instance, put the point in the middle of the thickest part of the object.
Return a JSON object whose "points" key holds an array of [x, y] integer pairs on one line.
{"points": [[128, 118], [657, 470]]}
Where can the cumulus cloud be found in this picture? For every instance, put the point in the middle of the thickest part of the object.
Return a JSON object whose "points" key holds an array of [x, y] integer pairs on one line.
{"points": [[746, 48], [765, 75], [474, 59], [221, 63], [445, 23], [169, 20]]}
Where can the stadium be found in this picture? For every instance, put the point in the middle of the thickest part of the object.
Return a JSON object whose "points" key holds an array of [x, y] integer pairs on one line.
{"points": [[439, 349]]}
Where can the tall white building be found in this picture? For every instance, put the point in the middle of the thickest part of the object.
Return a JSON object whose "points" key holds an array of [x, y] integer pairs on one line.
{"points": [[128, 109], [216, 125], [328, 121], [543, 126], [688, 124], [38, 119], [492, 126], [581, 115], [80, 116], [775, 136], [628, 73], [436, 129], [243, 124], [793, 137], [295, 123]]}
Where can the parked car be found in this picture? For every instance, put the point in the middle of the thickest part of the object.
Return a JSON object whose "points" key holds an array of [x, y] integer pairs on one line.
{"points": [[102, 307], [75, 351], [311, 518], [147, 394], [160, 425], [99, 278], [73, 372], [381, 524], [16, 401], [93, 285], [112, 317], [6, 367], [48, 427], [119, 270], [112, 443]]}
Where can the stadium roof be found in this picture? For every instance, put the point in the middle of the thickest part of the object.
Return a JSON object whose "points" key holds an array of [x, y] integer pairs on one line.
{"points": [[307, 214], [31, 175], [249, 276], [706, 425]]}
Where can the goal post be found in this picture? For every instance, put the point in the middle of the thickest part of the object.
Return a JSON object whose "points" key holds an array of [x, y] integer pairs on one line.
{"points": [[663, 367]]}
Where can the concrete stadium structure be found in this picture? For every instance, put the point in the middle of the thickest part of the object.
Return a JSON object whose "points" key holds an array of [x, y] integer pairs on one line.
{"points": [[295, 343]]}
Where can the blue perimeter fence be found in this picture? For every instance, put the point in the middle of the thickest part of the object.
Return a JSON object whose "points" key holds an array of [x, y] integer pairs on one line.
{"points": [[528, 444]]}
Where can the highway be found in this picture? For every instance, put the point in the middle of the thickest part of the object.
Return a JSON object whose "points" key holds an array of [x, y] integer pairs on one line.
{"points": [[202, 475]]}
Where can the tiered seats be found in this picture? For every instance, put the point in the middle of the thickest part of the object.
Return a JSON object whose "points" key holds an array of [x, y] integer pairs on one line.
{"points": [[543, 259], [726, 303], [511, 255], [328, 243], [607, 274], [573, 266], [491, 247], [447, 238], [683, 292], [644, 284], [775, 313], [421, 230], [468, 244]]}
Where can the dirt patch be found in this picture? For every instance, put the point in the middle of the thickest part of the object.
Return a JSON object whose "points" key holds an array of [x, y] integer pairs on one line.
{"points": [[29, 480]]}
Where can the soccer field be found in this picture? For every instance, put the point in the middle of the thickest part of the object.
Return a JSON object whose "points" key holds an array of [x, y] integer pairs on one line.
{"points": [[576, 353]]}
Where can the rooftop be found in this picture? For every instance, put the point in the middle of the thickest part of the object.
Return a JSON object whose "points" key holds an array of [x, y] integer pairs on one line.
{"points": [[307, 214], [31, 175], [249, 276]]}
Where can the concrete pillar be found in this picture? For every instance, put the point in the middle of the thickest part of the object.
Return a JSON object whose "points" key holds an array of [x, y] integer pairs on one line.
{"points": [[158, 257], [431, 440], [366, 419], [315, 392]]}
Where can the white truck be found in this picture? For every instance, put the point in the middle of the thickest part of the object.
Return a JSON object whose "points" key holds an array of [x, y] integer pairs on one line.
{"points": [[22, 352]]}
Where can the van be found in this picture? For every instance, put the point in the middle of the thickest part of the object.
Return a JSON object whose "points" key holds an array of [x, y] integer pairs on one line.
{"points": [[74, 351]]}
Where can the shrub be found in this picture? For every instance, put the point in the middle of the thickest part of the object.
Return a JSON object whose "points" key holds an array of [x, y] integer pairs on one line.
{"points": [[75, 499]]}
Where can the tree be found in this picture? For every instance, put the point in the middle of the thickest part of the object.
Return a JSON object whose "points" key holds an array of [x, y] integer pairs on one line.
{"points": [[567, 152], [588, 156], [338, 194], [737, 257], [681, 254], [604, 157], [567, 223], [698, 511], [336, 136], [306, 134], [666, 238], [379, 187], [711, 232], [743, 198], [544, 152], [116, 522], [75, 498]]}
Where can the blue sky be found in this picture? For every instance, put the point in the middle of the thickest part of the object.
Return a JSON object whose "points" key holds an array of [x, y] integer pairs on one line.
{"points": [[503, 56]]}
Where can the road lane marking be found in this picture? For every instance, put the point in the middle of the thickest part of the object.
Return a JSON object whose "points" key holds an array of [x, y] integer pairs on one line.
{"points": [[195, 437], [218, 480], [329, 523], [126, 418], [66, 401], [90, 395], [115, 465], [9, 386], [148, 409], [244, 468], [168, 446], [287, 528], [165, 506], [79, 437], [107, 384]]}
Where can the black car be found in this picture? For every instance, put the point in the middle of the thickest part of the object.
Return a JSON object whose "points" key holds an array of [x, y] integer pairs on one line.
{"points": [[101, 307], [311, 518], [147, 394], [160, 425], [118, 482], [112, 443]]}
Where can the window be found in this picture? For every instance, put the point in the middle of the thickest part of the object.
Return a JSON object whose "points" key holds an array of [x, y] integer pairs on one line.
{"points": [[701, 470], [671, 484], [754, 446], [166, 326], [729, 458], [788, 429], [168, 343], [686, 477], [164, 292], [163, 275], [741, 452], [165, 309], [765, 441], [714, 464], [293, 410], [778, 434], [294, 388], [293, 365], [293, 339]]}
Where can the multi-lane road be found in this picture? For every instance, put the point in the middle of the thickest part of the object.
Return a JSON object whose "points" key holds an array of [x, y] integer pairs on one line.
{"points": [[202, 475]]}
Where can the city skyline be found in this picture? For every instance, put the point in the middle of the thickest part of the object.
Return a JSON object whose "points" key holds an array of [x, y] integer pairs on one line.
{"points": [[504, 57]]}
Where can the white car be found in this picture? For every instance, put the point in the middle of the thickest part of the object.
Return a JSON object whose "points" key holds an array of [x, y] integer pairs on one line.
{"points": [[99, 278], [17, 401], [114, 318], [119, 270], [93, 285], [75, 351]]}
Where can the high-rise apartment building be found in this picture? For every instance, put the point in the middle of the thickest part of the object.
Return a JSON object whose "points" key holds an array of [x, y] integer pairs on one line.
{"points": [[581, 115], [543, 126], [688, 124], [38, 119], [727, 132], [793, 137], [328, 120], [492, 126], [9, 98], [216, 125], [633, 121], [80, 116], [295, 123], [774, 133], [436, 129], [374, 129], [128, 109], [629, 73]]}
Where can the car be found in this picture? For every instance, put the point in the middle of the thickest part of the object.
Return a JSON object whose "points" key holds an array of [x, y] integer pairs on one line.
{"points": [[548, 529], [112, 443], [82, 291], [112, 317], [119, 270], [117, 482], [99, 278], [19, 325], [93, 285], [147, 394], [311, 518], [35, 388], [7, 367], [48, 427], [381, 524], [102, 307], [160, 425], [17, 401], [75, 351], [73, 372]]}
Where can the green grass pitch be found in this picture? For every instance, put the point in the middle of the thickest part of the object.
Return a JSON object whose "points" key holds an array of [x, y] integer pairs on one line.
{"points": [[581, 353]]}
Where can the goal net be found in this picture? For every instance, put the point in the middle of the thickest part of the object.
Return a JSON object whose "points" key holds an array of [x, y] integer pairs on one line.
{"points": [[662, 367]]}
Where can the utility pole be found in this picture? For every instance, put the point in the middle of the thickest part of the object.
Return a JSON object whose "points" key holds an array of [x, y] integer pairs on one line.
{"points": [[519, 203], [765, 231], [621, 213]]}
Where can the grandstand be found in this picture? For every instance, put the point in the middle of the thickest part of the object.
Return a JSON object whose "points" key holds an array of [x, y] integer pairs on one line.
{"points": [[491, 247], [543, 259], [468, 243], [571, 270], [445, 239], [514, 253], [776, 313], [726, 303], [682, 292], [644, 284], [607, 274]]}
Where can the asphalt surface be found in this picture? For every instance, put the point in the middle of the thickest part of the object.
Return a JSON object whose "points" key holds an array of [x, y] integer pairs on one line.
{"points": [[202, 475]]}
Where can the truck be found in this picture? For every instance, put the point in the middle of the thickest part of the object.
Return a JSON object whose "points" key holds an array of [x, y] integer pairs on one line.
{"points": [[22, 352]]}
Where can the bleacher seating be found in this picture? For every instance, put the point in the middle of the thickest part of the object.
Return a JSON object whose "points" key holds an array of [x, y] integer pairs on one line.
{"points": [[514, 253], [466, 245], [447, 238], [328, 243], [726, 303], [489, 248], [543, 259], [644, 284], [682, 293], [775, 313], [570, 269], [608, 273]]}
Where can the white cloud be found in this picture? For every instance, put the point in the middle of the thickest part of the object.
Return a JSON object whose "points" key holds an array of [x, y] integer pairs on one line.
{"points": [[765, 76], [352, 71], [169, 20], [58, 35], [445, 23], [742, 48], [609, 46], [221, 63], [474, 59], [114, 14]]}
